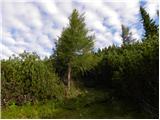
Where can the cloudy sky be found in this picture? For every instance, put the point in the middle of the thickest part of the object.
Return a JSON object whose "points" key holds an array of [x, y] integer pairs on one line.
{"points": [[34, 25]]}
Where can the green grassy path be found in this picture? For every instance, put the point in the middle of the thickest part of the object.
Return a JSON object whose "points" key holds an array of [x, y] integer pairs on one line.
{"points": [[94, 105]]}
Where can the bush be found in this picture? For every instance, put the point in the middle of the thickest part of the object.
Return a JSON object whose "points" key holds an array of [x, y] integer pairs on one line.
{"points": [[27, 78], [130, 73]]}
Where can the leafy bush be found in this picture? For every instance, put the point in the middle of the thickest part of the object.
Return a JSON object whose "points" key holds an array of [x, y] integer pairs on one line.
{"points": [[130, 73], [27, 78]]}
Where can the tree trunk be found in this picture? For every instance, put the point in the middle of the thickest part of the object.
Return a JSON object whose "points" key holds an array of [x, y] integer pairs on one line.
{"points": [[69, 77], [67, 88]]}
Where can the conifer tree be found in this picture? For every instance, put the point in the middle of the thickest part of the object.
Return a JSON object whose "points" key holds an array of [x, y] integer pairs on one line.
{"points": [[74, 47], [126, 35], [149, 25]]}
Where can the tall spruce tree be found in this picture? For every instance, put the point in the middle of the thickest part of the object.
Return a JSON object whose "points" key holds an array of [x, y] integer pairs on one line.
{"points": [[74, 47], [149, 25]]}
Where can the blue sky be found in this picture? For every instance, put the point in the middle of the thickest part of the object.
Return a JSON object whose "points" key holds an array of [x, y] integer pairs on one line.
{"points": [[34, 25]]}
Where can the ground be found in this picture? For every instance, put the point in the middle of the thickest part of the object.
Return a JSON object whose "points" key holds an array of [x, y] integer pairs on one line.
{"points": [[95, 104]]}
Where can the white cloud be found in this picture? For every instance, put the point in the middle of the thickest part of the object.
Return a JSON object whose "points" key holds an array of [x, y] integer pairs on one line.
{"points": [[94, 22], [103, 40], [97, 25], [135, 33], [34, 25], [117, 39], [8, 41], [57, 15], [152, 7], [49, 7], [5, 51], [10, 19], [66, 6], [45, 42], [127, 10]]}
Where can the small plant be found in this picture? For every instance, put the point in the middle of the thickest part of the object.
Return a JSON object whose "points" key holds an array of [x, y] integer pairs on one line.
{"points": [[13, 105]]}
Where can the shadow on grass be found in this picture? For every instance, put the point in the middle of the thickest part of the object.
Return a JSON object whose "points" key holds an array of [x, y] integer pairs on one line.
{"points": [[94, 104]]}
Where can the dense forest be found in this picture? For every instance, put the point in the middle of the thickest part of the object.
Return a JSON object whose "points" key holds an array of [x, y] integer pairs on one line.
{"points": [[78, 82]]}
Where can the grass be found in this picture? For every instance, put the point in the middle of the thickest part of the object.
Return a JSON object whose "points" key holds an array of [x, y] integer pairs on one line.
{"points": [[93, 105]]}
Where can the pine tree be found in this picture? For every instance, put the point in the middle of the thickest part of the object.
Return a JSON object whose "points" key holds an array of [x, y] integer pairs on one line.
{"points": [[74, 47], [126, 35], [149, 25]]}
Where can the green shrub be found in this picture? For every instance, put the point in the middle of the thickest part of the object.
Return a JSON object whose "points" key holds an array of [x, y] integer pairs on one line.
{"points": [[27, 78], [130, 73]]}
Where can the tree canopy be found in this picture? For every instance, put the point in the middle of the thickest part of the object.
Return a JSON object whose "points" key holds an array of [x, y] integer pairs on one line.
{"points": [[149, 24], [74, 46]]}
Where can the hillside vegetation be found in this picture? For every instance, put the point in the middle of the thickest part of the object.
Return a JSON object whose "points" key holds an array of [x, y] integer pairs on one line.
{"points": [[78, 82]]}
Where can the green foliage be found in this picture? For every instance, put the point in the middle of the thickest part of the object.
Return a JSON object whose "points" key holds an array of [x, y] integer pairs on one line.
{"points": [[90, 105], [131, 73], [126, 35], [85, 62], [27, 78], [74, 46], [149, 25]]}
